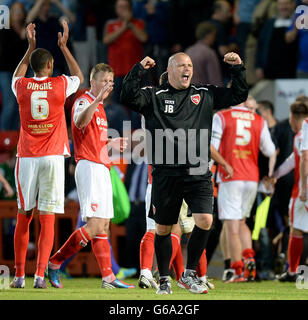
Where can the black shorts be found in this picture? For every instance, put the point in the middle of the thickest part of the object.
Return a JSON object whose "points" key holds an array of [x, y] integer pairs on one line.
{"points": [[168, 193]]}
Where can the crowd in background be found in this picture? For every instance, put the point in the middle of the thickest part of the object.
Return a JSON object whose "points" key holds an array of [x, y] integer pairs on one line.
{"points": [[122, 32]]}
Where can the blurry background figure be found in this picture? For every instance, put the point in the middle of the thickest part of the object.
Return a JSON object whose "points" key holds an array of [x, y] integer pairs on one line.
{"points": [[276, 58], [136, 183], [203, 56], [84, 37], [221, 18], [242, 18], [300, 35], [47, 28], [125, 37], [183, 18], [13, 44], [115, 114], [155, 15], [263, 247]]}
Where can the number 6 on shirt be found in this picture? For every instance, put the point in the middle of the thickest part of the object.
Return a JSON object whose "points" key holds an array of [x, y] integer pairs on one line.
{"points": [[39, 105]]}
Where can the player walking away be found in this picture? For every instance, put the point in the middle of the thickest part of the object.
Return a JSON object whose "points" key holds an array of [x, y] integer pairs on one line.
{"points": [[89, 129], [42, 146], [180, 105], [298, 217], [238, 134]]}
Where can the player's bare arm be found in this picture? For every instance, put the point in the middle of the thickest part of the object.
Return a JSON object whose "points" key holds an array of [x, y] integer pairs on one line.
{"points": [[86, 115], [22, 67], [70, 60], [303, 175], [217, 157]]}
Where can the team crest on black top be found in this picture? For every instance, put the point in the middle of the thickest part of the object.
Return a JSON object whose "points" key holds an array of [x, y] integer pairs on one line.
{"points": [[195, 99]]}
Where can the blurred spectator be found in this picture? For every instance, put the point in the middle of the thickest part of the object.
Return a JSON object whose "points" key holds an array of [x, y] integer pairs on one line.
{"points": [[203, 56], [155, 15], [266, 168], [84, 37], [242, 17], [220, 18], [125, 37], [7, 184], [279, 207], [266, 109], [136, 184], [273, 51], [183, 17], [115, 114], [13, 44], [266, 9], [47, 28], [26, 3], [293, 34]]}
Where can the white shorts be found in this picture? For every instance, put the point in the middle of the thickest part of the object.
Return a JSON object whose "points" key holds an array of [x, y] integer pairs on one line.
{"points": [[41, 179], [149, 221], [235, 199], [94, 190], [298, 214]]}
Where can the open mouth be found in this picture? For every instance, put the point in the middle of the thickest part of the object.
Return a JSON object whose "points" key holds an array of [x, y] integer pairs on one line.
{"points": [[185, 77]]}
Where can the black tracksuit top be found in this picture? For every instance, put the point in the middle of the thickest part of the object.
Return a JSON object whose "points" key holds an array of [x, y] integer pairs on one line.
{"points": [[165, 107]]}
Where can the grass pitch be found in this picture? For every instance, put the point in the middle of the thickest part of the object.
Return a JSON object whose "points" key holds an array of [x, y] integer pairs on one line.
{"points": [[89, 289]]}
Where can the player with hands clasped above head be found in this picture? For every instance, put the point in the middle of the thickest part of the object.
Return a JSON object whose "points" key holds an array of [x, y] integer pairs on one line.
{"points": [[42, 146]]}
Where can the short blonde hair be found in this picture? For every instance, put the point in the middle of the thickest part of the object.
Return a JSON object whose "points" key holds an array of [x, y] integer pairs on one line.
{"points": [[100, 67]]}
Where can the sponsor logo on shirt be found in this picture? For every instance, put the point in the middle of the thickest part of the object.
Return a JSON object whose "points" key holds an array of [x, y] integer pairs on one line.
{"points": [[94, 206], [195, 99]]}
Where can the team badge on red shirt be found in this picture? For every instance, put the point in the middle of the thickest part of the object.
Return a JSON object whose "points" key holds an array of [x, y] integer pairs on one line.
{"points": [[195, 99], [94, 206]]}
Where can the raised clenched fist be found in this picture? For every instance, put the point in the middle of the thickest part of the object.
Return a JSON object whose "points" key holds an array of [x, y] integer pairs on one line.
{"points": [[147, 63], [232, 58]]}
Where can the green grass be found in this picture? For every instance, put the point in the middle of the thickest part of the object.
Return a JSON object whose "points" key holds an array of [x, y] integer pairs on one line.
{"points": [[89, 289]]}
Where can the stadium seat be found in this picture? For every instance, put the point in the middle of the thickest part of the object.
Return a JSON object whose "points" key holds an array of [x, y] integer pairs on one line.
{"points": [[83, 264], [8, 142]]}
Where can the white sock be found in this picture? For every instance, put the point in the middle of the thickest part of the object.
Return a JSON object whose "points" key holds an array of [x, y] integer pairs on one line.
{"points": [[203, 278], [36, 277], [147, 273], [109, 278]]}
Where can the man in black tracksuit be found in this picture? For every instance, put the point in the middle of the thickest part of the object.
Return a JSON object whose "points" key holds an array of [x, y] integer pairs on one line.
{"points": [[178, 121]]}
